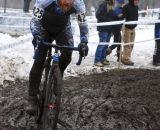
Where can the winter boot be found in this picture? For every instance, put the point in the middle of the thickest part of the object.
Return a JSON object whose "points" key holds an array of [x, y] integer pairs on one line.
{"points": [[126, 60], [99, 64], [105, 62], [130, 63], [32, 105], [156, 60]]}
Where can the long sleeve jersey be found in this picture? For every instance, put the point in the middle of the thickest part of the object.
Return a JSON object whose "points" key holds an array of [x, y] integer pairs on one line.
{"points": [[54, 17]]}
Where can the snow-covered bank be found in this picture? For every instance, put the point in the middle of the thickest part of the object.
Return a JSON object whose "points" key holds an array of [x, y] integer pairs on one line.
{"points": [[16, 61]]}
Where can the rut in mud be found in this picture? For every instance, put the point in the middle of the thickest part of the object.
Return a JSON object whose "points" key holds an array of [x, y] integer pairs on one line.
{"points": [[114, 100]]}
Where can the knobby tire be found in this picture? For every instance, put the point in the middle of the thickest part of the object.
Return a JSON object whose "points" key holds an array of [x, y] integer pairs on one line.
{"points": [[52, 99], [41, 96]]}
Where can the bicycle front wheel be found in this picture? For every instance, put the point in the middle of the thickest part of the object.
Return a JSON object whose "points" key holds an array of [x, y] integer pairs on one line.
{"points": [[41, 95], [52, 99]]}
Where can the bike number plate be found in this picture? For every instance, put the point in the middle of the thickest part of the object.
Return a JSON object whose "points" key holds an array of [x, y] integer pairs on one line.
{"points": [[38, 12]]}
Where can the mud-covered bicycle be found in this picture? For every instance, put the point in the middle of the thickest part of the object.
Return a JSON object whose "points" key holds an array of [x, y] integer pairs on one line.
{"points": [[49, 97]]}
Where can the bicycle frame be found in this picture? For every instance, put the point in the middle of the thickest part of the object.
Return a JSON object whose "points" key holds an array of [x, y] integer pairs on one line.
{"points": [[52, 73]]}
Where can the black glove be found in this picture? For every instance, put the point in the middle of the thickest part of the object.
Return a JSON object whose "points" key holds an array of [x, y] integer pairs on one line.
{"points": [[83, 49], [36, 40]]}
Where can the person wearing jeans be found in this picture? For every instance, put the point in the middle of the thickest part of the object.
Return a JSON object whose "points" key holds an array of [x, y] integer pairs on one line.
{"points": [[104, 13], [116, 31], [100, 56]]}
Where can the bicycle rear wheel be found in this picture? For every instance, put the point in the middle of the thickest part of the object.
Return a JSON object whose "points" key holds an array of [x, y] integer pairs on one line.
{"points": [[52, 99]]}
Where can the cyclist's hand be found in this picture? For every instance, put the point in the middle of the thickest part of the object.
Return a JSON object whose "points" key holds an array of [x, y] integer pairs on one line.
{"points": [[36, 40], [83, 49]]}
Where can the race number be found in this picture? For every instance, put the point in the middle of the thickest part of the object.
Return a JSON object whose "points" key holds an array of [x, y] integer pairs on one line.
{"points": [[81, 18], [38, 12]]}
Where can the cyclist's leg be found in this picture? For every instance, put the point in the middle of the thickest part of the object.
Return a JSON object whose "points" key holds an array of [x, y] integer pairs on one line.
{"points": [[65, 38], [35, 76], [37, 68], [35, 79]]}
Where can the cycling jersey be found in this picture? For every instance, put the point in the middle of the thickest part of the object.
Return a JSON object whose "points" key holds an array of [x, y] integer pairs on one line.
{"points": [[78, 4]]}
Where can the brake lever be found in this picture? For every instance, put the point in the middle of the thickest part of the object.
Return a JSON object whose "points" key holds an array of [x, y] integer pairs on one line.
{"points": [[79, 60], [80, 57]]}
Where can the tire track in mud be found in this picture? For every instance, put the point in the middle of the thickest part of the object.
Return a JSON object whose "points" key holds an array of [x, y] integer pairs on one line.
{"points": [[113, 100]]}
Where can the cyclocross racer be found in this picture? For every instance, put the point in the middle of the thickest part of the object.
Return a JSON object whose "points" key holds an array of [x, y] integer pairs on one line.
{"points": [[51, 21]]}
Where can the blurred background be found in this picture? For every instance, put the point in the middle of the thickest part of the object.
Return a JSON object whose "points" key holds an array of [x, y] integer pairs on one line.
{"points": [[15, 15], [91, 5]]}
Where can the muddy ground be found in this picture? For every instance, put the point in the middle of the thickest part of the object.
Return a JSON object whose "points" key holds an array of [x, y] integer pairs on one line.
{"points": [[113, 100]]}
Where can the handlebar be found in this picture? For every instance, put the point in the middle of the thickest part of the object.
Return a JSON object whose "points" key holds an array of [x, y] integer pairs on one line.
{"points": [[66, 48]]}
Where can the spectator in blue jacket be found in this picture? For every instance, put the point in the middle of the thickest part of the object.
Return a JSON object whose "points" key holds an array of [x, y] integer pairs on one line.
{"points": [[118, 15], [104, 14], [156, 56], [51, 21]]}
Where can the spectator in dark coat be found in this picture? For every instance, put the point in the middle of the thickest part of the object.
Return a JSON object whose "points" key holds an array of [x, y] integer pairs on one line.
{"points": [[156, 56], [104, 14], [130, 12]]}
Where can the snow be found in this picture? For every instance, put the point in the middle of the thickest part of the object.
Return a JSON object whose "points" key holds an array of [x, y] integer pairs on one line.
{"points": [[16, 61]]}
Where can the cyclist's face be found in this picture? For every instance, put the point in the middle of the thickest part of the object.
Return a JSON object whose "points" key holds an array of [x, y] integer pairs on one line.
{"points": [[66, 5]]}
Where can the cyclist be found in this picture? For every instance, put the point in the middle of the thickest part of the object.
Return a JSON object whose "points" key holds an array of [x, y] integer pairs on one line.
{"points": [[51, 21]]}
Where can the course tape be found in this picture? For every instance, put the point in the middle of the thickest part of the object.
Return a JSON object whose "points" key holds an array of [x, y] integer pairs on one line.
{"points": [[140, 22], [12, 45], [19, 42], [124, 44], [129, 43]]}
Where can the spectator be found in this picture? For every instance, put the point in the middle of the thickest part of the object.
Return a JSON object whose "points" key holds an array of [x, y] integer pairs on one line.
{"points": [[130, 12], [26, 5], [104, 14], [156, 56], [51, 21], [117, 28]]}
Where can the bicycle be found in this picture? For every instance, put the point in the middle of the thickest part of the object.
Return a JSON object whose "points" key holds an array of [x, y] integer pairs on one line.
{"points": [[49, 97]]}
